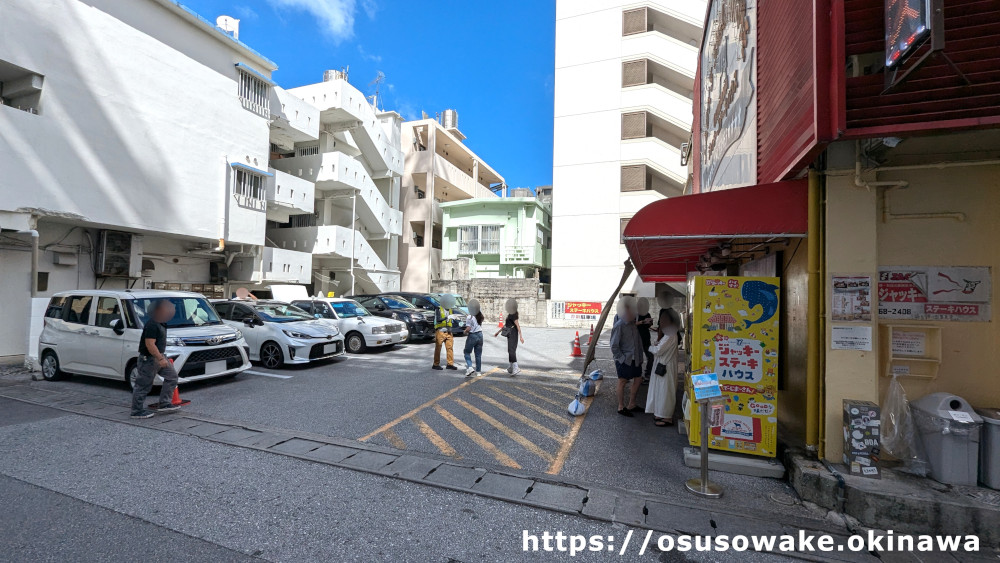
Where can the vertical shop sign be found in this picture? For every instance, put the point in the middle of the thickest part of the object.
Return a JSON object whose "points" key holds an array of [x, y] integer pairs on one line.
{"points": [[734, 333]]}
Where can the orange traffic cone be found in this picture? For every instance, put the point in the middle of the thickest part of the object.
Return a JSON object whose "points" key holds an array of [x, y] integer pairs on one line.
{"points": [[176, 400], [577, 352]]}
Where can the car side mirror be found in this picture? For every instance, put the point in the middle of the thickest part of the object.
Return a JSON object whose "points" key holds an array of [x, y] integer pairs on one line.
{"points": [[249, 322], [117, 326]]}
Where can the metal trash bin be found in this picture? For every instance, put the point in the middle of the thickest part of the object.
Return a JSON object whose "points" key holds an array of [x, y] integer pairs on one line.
{"points": [[950, 430], [989, 448]]}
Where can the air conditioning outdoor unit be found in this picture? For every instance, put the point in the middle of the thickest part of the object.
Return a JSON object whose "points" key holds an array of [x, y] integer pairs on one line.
{"points": [[119, 255]]}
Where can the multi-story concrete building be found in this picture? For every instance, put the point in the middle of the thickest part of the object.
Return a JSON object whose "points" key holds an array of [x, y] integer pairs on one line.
{"points": [[439, 168], [505, 237], [623, 89], [142, 146], [355, 167]]}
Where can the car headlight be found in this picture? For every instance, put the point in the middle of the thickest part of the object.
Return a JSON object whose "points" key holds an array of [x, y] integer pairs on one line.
{"points": [[395, 315], [378, 330], [293, 334], [239, 334], [175, 341]]}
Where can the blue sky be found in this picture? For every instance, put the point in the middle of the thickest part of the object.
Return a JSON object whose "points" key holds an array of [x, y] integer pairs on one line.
{"points": [[491, 61]]}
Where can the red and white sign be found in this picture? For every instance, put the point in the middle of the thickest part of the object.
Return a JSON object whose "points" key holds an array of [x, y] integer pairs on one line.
{"points": [[934, 293], [583, 310]]}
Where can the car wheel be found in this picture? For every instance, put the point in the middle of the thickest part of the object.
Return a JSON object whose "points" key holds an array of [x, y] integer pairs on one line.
{"points": [[271, 355], [50, 367], [356, 343], [131, 374]]}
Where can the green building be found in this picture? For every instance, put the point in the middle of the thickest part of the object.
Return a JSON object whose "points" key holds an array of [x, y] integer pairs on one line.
{"points": [[509, 237]]}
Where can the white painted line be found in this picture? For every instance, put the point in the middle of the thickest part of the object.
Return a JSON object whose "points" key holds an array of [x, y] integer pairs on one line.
{"points": [[274, 375]]}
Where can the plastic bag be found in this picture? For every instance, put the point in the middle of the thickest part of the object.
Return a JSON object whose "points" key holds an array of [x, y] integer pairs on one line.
{"points": [[898, 433]]}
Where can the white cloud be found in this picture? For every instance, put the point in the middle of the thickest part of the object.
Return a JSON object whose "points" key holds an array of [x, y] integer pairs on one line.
{"points": [[368, 56], [336, 17]]}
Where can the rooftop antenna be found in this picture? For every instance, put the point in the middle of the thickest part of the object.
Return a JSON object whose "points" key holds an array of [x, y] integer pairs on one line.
{"points": [[229, 25], [375, 98]]}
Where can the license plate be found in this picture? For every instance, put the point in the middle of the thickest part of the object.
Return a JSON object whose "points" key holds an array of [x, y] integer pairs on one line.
{"points": [[329, 349], [212, 368]]}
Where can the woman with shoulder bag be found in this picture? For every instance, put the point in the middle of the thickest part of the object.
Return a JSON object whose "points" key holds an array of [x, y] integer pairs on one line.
{"points": [[512, 331], [662, 396]]}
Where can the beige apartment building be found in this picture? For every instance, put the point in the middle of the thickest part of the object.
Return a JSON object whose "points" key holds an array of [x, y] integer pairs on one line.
{"points": [[438, 168]]}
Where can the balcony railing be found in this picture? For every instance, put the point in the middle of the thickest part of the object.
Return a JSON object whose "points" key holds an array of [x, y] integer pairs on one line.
{"points": [[523, 255]]}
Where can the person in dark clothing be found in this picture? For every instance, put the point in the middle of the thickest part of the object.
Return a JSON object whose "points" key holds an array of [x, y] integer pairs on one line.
{"points": [[643, 322], [152, 362], [512, 330]]}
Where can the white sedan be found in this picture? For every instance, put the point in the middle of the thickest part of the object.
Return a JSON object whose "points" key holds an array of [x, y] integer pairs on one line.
{"points": [[279, 333], [361, 329]]}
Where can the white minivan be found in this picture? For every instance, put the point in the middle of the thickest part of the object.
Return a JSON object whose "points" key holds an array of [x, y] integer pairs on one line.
{"points": [[96, 332]]}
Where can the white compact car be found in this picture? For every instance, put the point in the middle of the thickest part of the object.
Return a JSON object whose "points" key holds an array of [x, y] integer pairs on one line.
{"points": [[96, 332], [279, 333], [361, 329]]}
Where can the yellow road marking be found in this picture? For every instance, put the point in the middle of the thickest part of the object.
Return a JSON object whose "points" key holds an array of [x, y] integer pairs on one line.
{"points": [[531, 405], [394, 439], [477, 438], [542, 397], [513, 413], [574, 431], [435, 438], [389, 425], [526, 443]]}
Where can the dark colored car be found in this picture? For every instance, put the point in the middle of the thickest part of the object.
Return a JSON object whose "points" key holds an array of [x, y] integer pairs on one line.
{"points": [[431, 302], [419, 322]]}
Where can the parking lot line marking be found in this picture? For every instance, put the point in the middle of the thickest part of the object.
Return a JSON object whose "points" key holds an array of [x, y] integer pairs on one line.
{"points": [[531, 405], [435, 438], [389, 425], [526, 443], [549, 400], [394, 439], [567, 444], [477, 438], [513, 413], [274, 375]]}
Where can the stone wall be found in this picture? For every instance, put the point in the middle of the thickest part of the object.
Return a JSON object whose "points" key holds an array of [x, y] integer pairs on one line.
{"points": [[492, 293]]}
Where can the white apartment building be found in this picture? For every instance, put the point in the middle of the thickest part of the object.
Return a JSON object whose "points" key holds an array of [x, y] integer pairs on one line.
{"points": [[355, 167], [134, 147], [438, 168], [624, 76]]}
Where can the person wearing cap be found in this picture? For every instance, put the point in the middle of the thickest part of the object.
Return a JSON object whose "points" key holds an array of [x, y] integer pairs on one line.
{"points": [[626, 349], [442, 332], [474, 339]]}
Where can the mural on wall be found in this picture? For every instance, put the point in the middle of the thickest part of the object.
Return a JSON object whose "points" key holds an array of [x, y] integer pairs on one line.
{"points": [[728, 96]]}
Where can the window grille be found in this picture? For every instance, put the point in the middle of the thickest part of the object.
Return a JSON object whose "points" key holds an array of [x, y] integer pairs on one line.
{"points": [[634, 73], [255, 94], [635, 21], [634, 178], [307, 151]]}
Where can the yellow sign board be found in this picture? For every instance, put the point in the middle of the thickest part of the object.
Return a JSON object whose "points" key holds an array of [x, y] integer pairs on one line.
{"points": [[734, 333]]}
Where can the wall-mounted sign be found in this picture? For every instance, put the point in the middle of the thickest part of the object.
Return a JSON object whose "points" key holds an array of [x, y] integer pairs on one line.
{"points": [[852, 298], [851, 337], [934, 293], [907, 23], [583, 310], [908, 343], [728, 116]]}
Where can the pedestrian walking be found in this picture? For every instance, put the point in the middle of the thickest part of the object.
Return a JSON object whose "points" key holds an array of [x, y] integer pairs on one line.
{"points": [[662, 395], [512, 331], [625, 343], [474, 339], [643, 322], [442, 332], [152, 362]]}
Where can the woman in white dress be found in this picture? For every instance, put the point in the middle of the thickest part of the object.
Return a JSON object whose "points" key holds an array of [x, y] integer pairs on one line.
{"points": [[662, 395]]}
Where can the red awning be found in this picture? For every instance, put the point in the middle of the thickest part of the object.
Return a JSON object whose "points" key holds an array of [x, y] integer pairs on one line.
{"points": [[667, 238]]}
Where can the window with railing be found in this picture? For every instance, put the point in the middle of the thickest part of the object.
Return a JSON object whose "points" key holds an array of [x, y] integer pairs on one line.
{"points": [[249, 189], [307, 151], [479, 239], [255, 94]]}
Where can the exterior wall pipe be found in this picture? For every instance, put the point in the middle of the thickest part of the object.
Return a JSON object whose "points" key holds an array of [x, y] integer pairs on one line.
{"points": [[887, 214], [815, 342], [34, 260]]}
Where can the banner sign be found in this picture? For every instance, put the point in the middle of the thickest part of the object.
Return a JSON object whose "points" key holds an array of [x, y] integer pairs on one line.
{"points": [[583, 310], [734, 329], [930, 293]]}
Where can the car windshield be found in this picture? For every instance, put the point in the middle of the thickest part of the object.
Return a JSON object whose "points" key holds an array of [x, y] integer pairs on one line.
{"points": [[281, 313], [460, 301], [397, 303], [188, 311], [349, 309]]}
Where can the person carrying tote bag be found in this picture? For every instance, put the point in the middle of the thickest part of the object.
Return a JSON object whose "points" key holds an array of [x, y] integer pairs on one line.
{"points": [[512, 331], [662, 396]]}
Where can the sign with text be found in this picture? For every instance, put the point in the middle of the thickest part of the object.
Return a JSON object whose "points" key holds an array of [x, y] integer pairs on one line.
{"points": [[583, 310], [734, 338], [931, 293], [706, 386]]}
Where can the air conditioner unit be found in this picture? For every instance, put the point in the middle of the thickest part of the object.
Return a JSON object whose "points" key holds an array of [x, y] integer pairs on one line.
{"points": [[119, 255]]}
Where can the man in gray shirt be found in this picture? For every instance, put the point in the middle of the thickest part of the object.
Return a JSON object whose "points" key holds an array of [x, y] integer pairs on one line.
{"points": [[626, 346]]}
